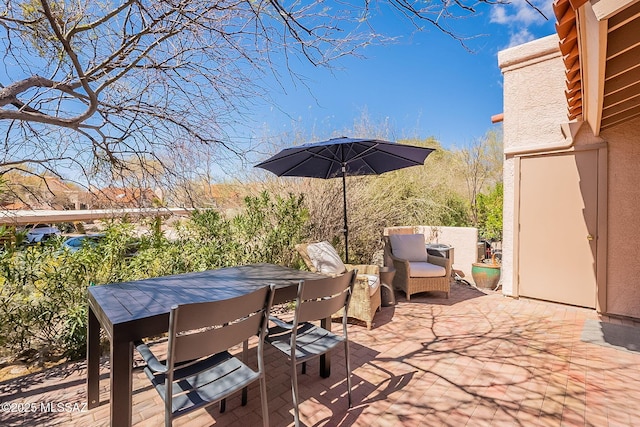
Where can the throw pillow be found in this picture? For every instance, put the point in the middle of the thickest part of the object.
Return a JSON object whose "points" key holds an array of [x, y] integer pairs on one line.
{"points": [[325, 258]]}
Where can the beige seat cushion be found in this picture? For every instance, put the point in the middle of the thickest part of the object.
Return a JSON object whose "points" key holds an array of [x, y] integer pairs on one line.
{"points": [[425, 269], [325, 258], [373, 280], [410, 247]]}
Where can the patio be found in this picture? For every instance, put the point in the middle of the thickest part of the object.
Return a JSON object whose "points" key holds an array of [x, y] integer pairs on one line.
{"points": [[477, 358]]}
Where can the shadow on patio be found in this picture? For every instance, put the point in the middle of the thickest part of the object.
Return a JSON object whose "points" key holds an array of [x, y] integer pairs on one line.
{"points": [[476, 359]]}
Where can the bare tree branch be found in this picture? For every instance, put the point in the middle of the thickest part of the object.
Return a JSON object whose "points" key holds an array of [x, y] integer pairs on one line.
{"points": [[91, 86]]}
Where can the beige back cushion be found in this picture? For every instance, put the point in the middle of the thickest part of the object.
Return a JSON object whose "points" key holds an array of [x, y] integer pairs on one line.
{"points": [[409, 246], [325, 258]]}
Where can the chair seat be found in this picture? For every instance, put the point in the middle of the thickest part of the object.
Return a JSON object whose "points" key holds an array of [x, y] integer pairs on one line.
{"points": [[373, 280], [204, 382], [425, 269], [311, 341]]}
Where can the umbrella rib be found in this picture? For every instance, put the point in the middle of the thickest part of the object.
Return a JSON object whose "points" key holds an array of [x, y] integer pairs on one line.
{"points": [[366, 153], [334, 160]]}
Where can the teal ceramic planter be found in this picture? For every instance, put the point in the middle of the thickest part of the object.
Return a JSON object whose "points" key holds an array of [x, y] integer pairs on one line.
{"points": [[485, 275]]}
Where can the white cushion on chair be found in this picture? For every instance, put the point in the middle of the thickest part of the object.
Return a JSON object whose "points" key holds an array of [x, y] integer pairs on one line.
{"points": [[409, 246], [425, 269], [373, 280], [325, 258]]}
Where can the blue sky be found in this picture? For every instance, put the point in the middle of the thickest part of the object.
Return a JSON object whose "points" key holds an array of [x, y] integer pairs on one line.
{"points": [[426, 84]]}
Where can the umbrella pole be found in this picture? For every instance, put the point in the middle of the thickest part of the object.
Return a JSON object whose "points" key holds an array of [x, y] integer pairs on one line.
{"points": [[344, 206]]}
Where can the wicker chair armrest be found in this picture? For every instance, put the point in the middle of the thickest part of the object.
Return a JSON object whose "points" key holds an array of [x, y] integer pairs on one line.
{"points": [[441, 261], [362, 282], [361, 285], [364, 268], [399, 261]]}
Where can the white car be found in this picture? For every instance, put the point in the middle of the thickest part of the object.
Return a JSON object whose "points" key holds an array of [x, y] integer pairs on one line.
{"points": [[41, 232]]}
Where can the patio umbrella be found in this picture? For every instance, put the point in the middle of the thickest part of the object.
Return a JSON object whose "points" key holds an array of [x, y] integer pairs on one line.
{"points": [[344, 156]]}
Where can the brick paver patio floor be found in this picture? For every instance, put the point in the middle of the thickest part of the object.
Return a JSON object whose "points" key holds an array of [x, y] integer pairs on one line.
{"points": [[476, 359]]}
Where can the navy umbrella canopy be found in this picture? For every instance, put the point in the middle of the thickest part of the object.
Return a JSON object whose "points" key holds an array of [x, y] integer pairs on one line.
{"points": [[344, 157]]}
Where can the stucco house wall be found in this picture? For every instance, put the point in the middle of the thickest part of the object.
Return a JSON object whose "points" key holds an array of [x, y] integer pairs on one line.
{"points": [[623, 267], [534, 108]]}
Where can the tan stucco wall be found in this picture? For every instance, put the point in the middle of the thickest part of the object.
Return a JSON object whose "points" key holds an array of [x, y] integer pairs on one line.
{"points": [[623, 266], [534, 102], [534, 108]]}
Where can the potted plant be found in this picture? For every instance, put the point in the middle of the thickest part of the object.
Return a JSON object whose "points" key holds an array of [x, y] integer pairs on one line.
{"points": [[486, 274]]}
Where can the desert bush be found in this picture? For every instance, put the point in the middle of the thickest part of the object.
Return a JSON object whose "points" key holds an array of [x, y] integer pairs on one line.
{"points": [[38, 287], [268, 229]]}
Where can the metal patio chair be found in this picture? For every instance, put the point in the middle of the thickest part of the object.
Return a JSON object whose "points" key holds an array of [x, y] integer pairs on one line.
{"points": [[302, 340], [199, 370]]}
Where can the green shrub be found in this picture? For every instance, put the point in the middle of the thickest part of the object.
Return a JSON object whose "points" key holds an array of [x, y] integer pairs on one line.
{"points": [[490, 213], [43, 289]]}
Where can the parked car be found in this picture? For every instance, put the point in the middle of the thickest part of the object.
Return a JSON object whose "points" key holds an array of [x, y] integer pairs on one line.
{"points": [[74, 244], [41, 232]]}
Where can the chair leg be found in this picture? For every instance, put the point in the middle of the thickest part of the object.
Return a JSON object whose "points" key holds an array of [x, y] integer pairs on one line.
{"points": [[245, 357], [294, 393], [263, 400], [369, 325], [348, 365], [168, 405]]}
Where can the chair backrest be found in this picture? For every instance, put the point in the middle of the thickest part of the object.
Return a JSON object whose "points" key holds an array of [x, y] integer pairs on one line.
{"points": [[410, 247], [201, 329], [319, 299]]}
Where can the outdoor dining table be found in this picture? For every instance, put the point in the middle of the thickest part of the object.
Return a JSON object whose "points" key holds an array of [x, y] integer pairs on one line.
{"points": [[131, 311]]}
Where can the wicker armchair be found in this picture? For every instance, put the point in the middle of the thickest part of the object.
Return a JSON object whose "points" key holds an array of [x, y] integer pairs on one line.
{"points": [[365, 300], [409, 284]]}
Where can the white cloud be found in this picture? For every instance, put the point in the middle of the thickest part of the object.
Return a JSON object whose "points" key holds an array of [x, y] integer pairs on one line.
{"points": [[522, 36], [519, 12], [499, 15], [526, 14], [522, 18]]}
